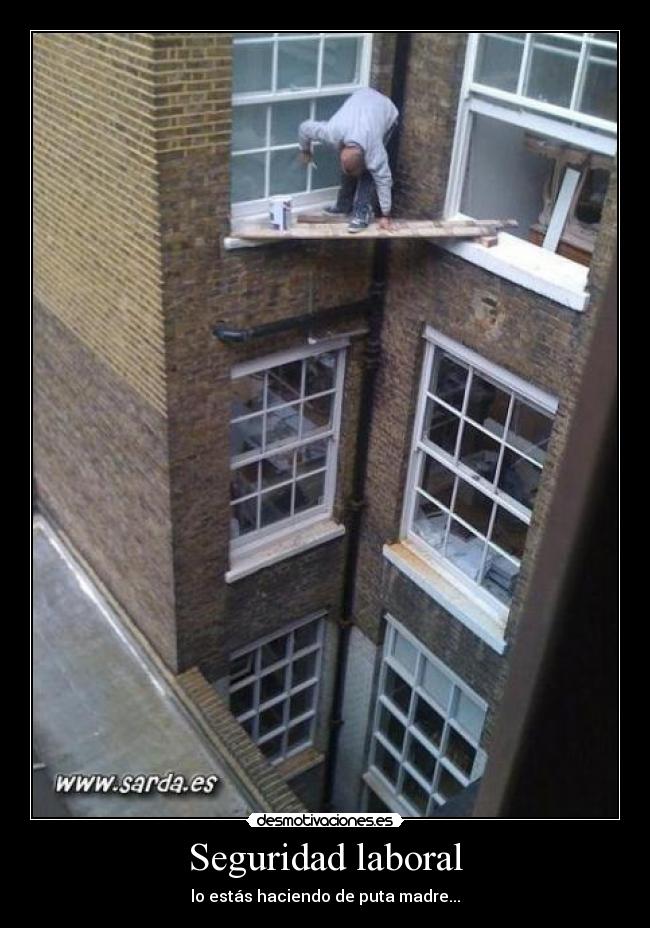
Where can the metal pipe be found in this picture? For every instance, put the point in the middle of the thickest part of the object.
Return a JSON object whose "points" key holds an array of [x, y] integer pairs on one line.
{"points": [[229, 335], [357, 501]]}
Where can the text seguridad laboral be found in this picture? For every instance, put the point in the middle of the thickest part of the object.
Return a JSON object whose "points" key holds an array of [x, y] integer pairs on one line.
{"points": [[239, 863]]}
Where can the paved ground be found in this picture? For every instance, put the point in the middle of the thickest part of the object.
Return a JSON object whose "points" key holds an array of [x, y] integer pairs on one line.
{"points": [[100, 708]]}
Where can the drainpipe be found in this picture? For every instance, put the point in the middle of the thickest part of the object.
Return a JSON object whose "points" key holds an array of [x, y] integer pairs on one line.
{"points": [[357, 501], [305, 321]]}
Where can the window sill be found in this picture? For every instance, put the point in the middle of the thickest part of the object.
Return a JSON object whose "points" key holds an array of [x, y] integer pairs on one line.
{"points": [[300, 763], [279, 549], [530, 266], [482, 621]]}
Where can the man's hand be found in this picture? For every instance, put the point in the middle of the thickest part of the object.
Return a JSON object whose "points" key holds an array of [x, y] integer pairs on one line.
{"points": [[384, 222], [305, 156]]}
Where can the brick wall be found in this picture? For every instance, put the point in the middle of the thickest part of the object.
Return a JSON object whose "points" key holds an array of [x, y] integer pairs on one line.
{"points": [[100, 432]]}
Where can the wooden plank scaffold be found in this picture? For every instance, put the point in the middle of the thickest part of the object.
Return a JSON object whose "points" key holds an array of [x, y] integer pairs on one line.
{"points": [[322, 226]]}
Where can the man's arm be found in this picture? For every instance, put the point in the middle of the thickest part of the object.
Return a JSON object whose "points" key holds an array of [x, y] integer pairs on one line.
{"points": [[312, 131], [378, 166]]}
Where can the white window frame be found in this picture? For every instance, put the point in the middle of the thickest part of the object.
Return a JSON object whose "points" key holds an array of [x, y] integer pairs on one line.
{"points": [[391, 795], [496, 610], [254, 209], [254, 652], [246, 544], [565, 124]]}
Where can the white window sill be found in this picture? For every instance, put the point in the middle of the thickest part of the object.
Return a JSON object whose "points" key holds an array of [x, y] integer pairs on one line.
{"points": [[488, 624], [535, 268], [276, 549]]}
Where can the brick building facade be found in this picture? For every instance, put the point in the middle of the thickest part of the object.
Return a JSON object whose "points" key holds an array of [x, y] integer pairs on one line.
{"points": [[139, 140]]}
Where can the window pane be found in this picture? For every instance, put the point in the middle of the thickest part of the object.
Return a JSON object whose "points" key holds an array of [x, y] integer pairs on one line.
{"points": [[310, 492], [552, 70], [251, 35], [488, 405], [529, 431], [519, 478], [441, 427], [243, 518], [437, 480], [274, 651], [429, 522], [509, 533], [297, 64], [241, 701], [404, 652], [302, 702], [600, 92], [429, 722], [468, 714], [303, 669], [288, 175], [246, 436], [464, 549], [448, 380], [277, 469], [317, 415], [386, 763], [276, 505], [500, 576], [270, 719], [499, 60], [436, 684], [247, 177], [243, 481], [282, 425], [284, 383], [272, 684], [391, 728], [414, 793], [448, 785], [300, 734], [421, 759], [327, 106], [589, 208], [479, 452], [305, 635], [285, 119], [397, 690], [341, 61], [252, 67], [320, 373], [248, 127], [473, 506], [311, 457], [460, 752], [247, 395], [241, 667], [272, 748]]}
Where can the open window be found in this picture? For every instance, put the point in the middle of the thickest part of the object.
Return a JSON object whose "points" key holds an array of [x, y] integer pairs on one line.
{"points": [[536, 135], [279, 80]]}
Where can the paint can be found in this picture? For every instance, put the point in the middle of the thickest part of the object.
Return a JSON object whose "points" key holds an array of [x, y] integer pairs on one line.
{"points": [[280, 212]]}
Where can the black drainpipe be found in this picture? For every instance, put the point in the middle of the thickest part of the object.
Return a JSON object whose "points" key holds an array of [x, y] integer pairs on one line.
{"points": [[366, 403], [306, 321]]}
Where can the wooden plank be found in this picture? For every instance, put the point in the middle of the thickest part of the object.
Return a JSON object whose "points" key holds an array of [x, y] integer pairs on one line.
{"points": [[561, 209], [400, 228]]}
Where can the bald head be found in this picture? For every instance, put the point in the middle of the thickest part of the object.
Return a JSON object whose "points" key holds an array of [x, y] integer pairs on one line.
{"points": [[352, 160]]}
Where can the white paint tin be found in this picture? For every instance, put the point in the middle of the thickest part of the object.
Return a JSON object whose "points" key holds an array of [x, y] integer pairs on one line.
{"points": [[280, 212]]}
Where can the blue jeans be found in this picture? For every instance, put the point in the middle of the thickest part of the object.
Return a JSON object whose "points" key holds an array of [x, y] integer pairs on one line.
{"points": [[357, 195]]}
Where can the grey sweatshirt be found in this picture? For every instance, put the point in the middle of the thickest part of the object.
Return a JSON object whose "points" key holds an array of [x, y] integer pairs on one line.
{"points": [[364, 119]]}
